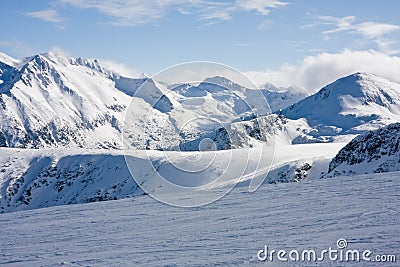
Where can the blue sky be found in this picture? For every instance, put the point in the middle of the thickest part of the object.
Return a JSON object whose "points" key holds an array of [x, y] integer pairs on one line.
{"points": [[268, 39]]}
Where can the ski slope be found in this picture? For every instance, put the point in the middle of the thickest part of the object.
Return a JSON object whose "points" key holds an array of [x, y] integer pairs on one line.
{"points": [[140, 231]]}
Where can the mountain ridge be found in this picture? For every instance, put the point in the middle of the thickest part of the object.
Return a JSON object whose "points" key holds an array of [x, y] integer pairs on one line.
{"points": [[52, 100]]}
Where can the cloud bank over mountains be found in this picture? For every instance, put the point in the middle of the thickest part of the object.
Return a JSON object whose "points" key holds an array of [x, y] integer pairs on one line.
{"points": [[316, 71]]}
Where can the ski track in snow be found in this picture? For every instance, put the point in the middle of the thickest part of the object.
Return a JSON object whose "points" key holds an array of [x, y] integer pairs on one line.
{"points": [[143, 232]]}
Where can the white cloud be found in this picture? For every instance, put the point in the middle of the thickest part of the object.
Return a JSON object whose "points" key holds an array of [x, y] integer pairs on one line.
{"points": [[388, 46], [368, 29], [121, 68], [317, 71], [125, 12], [217, 15], [261, 6], [135, 12], [373, 30], [265, 24], [49, 15]]}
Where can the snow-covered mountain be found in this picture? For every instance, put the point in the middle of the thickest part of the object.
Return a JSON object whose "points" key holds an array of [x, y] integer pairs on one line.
{"points": [[201, 109], [348, 106], [241, 100], [281, 98], [241, 134], [57, 102], [371, 152], [52, 100], [337, 113]]}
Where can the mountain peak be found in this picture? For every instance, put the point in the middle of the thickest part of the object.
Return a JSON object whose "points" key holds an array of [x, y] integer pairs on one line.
{"points": [[56, 55], [270, 87], [351, 101], [223, 82], [360, 74], [143, 76], [218, 80], [359, 84]]}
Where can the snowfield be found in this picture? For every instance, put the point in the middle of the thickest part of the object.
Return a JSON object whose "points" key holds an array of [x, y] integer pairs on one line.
{"points": [[140, 231], [32, 179]]}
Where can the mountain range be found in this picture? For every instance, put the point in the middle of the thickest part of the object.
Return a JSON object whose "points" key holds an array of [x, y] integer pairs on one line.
{"points": [[52, 100], [67, 121]]}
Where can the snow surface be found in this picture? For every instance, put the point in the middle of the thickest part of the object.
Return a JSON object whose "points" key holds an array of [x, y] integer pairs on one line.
{"points": [[143, 232], [32, 179]]}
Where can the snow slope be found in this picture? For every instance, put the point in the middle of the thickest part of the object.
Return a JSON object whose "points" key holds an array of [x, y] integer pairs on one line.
{"points": [[371, 152], [32, 179], [140, 231]]}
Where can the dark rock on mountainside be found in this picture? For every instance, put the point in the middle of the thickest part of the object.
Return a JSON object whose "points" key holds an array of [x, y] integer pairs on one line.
{"points": [[374, 151]]}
